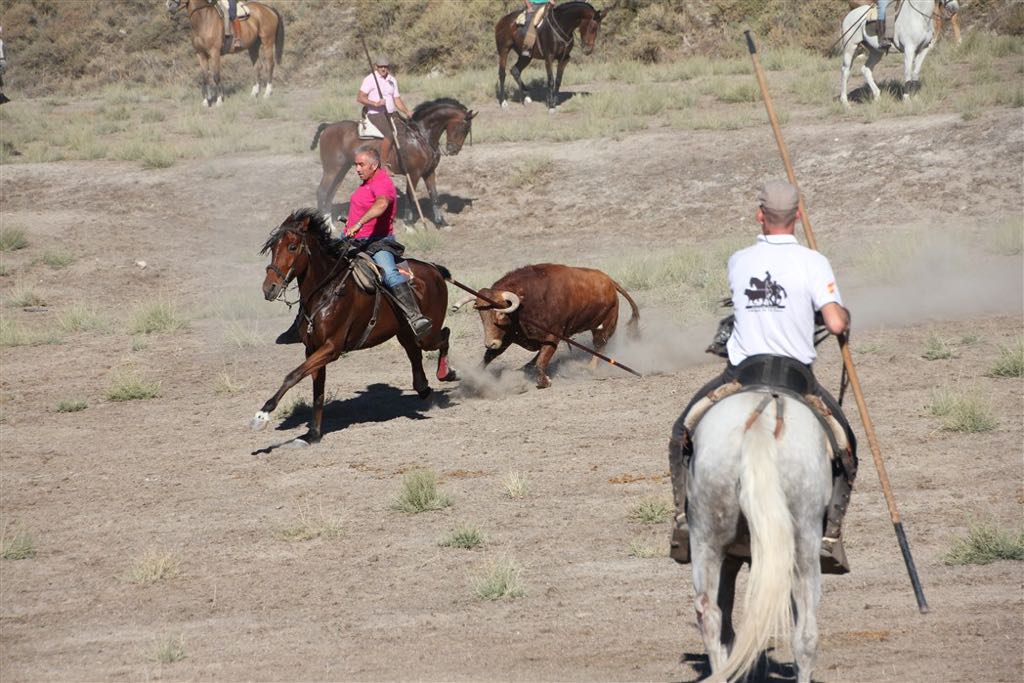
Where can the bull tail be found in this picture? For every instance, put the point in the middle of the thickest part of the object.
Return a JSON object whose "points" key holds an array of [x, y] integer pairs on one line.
{"points": [[634, 321], [445, 273], [316, 137]]}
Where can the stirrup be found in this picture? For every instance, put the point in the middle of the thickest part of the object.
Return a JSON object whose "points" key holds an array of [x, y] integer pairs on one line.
{"points": [[679, 547], [833, 556]]}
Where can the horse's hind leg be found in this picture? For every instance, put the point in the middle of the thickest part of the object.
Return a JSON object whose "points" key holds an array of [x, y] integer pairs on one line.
{"points": [[552, 95], [256, 57], [415, 354], [806, 596], [314, 433], [517, 71], [445, 372], [707, 573], [559, 70], [329, 183], [874, 56], [502, 63], [431, 182], [914, 84]]}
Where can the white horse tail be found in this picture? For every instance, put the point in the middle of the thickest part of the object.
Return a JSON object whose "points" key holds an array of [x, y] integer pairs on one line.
{"points": [[768, 611]]}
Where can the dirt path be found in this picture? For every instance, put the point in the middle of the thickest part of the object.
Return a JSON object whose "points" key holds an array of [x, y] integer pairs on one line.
{"points": [[99, 487]]}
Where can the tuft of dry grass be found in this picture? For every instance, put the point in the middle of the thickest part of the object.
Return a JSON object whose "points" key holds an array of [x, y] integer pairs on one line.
{"points": [[1011, 360], [157, 316], [127, 386], [643, 549], [170, 649], [153, 566], [514, 485], [12, 238], [650, 511], [501, 578], [71, 406], [985, 543], [310, 524], [17, 544], [466, 536], [963, 410]]}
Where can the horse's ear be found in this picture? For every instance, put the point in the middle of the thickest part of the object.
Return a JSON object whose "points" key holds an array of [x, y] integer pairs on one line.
{"points": [[470, 115]]}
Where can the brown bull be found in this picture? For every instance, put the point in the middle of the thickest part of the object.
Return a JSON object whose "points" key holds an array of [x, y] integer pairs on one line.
{"points": [[561, 299]]}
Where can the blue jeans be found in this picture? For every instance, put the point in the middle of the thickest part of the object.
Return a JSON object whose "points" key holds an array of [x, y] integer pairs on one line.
{"points": [[882, 6], [385, 260]]}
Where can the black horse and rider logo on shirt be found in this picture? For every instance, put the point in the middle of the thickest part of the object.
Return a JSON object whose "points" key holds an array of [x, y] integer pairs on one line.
{"points": [[766, 293]]}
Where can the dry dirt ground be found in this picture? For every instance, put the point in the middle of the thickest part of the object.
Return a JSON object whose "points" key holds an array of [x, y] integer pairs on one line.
{"points": [[383, 601]]}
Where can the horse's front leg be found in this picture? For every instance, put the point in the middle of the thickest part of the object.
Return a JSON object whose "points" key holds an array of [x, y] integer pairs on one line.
{"points": [[874, 56], [205, 84], [558, 76], [552, 102], [502, 63], [915, 73], [215, 69], [431, 182], [318, 359]]}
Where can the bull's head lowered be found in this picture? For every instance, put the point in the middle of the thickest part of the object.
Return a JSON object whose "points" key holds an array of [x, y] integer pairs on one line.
{"points": [[496, 320]]}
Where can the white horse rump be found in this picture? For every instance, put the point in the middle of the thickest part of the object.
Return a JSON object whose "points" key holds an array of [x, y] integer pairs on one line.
{"points": [[763, 460], [913, 34]]}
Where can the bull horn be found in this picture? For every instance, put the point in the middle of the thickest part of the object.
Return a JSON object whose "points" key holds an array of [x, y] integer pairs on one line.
{"points": [[513, 301], [462, 302]]}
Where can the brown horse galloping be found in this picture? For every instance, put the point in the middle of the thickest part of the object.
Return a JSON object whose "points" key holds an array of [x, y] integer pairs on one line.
{"points": [[262, 36], [339, 316], [554, 42], [338, 142]]}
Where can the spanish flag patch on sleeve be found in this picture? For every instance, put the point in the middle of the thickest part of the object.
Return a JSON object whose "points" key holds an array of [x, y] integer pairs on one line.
{"points": [[831, 288]]}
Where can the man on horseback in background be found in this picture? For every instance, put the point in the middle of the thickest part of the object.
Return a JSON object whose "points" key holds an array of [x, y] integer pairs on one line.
{"points": [[370, 223], [379, 98], [775, 335], [535, 11]]}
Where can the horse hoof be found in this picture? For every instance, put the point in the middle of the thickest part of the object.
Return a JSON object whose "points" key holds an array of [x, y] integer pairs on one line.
{"points": [[504, 104], [551, 110], [527, 100], [261, 420], [206, 103], [424, 393], [220, 101]]}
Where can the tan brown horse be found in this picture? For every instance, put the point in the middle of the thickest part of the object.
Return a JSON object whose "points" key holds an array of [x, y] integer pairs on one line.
{"points": [[421, 152], [554, 43], [338, 316], [262, 36]]}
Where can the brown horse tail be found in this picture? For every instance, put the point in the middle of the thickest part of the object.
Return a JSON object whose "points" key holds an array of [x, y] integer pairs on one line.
{"points": [[634, 320], [316, 137], [279, 38]]}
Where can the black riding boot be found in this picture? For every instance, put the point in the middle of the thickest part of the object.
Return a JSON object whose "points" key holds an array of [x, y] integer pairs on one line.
{"points": [[884, 34], [291, 335], [833, 555], [679, 452], [419, 323]]}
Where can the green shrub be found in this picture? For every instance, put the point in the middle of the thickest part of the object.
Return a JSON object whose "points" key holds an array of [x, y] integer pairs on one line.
{"points": [[963, 411], [71, 406], [419, 493], [58, 258], [650, 511], [986, 543], [1011, 360], [937, 348], [465, 536], [12, 239]]}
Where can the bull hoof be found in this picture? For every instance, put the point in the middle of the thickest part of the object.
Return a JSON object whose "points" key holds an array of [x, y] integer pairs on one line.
{"points": [[260, 421]]}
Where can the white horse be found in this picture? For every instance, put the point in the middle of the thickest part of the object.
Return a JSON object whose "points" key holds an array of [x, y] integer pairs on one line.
{"points": [[913, 34], [763, 459]]}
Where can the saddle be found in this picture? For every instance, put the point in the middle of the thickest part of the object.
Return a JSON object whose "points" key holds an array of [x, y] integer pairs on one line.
{"points": [[778, 374], [367, 275], [521, 20]]}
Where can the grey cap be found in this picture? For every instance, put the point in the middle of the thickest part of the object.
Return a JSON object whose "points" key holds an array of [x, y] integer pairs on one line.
{"points": [[778, 195], [382, 60]]}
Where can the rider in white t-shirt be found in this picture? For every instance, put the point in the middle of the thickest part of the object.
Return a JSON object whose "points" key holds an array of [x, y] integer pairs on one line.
{"points": [[378, 93], [777, 288]]}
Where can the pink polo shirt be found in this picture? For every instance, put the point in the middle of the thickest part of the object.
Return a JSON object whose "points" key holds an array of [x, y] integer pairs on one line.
{"points": [[388, 92], [379, 185]]}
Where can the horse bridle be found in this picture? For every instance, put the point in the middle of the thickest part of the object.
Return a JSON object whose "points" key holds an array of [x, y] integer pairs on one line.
{"points": [[286, 278]]}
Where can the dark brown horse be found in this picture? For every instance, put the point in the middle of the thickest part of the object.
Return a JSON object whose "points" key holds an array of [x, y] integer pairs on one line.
{"points": [[554, 43], [338, 316], [262, 36], [421, 151]]}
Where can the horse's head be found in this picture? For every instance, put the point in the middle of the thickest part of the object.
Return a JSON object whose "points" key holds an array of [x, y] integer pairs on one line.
{"points": [[589, 27], [456, 132], [289, 252]]}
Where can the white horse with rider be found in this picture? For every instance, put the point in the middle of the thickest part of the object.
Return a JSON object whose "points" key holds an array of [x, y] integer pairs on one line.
{"points": [[913, 35], [760, 457]]}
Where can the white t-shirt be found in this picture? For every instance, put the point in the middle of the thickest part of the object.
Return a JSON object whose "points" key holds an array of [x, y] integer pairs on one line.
{"points": [[389, 89], [777, 285]]}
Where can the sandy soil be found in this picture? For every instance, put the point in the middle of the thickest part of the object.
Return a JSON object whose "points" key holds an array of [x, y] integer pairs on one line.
{"points": [[178, 473]]}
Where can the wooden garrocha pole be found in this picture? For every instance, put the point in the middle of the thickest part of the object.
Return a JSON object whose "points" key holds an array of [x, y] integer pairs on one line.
{"points": [[844, 347]]}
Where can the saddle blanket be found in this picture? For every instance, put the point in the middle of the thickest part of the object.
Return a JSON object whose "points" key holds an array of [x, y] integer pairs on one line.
{"points": [[368, 131]]}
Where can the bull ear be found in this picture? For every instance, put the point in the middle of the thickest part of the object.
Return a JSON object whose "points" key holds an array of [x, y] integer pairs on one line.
{"points": [[470, 115]]}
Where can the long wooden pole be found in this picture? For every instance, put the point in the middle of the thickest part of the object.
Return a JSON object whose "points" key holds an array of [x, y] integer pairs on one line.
{"points": [[844, 346], [394, 130]]}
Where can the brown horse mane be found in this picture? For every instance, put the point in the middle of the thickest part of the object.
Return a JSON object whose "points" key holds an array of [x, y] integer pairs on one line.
{"points": [[317, 227]]}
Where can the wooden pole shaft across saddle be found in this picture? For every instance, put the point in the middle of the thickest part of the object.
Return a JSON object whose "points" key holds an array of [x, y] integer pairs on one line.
{"points": [[844, 346], [394, 133]]}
